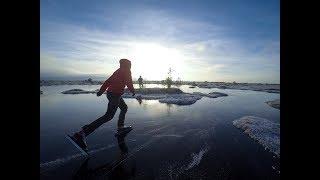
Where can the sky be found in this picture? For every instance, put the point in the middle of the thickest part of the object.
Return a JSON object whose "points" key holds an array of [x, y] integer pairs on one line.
{"points": [[213, 40]]}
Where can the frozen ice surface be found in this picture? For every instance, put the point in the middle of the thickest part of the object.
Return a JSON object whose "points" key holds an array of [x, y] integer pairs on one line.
{"points": [[47, 166], [217, 94], [274, 103], [266, 132], [168, 135]]}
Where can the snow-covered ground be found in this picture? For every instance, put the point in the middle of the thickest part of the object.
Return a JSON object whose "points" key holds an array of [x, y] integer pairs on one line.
{"points": [[79, 91], [179, 99], [164, 95], [266, 132], [271, 88], [274, 103], [211, 95]]}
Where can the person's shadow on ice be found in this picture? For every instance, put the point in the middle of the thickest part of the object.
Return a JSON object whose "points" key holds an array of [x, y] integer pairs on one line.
{"points": [[112, 170]]}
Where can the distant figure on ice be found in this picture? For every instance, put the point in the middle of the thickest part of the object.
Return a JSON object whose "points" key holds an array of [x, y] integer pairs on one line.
{"points": [[114, 85], [140, 80]]}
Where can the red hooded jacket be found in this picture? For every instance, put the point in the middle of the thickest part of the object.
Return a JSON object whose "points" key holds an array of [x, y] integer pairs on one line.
{"points": [[119, 79]]}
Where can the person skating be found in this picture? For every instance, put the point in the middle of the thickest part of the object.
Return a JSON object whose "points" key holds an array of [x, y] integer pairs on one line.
{"points": [[114, 85], [140, 80]]}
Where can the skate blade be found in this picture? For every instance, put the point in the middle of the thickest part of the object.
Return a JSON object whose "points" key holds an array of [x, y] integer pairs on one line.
{"points": [[76, 145]]}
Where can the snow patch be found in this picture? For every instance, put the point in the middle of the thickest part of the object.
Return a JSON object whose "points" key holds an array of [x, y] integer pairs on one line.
{"points": [[266, 132], [270, 88], [178, 99], [196, 158], [79, 91], [211, 95], [185, 99]]}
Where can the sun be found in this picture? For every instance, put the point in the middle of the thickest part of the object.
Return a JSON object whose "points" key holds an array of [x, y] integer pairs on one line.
{"points": [[152, 61]]}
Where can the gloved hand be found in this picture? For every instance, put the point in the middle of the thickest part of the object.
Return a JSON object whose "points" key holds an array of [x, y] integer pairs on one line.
{"points": [[99, 93]]}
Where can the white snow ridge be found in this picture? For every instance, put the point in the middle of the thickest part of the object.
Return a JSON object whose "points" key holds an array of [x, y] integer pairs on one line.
{"points": [[266, 132], [196, 158], [211, 95]]}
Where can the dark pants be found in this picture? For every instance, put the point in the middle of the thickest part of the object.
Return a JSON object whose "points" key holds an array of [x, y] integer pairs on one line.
{"points": [[115, 101]]}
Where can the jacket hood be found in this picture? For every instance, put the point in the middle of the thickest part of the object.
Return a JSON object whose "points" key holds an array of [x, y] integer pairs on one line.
{"points": [[125, 64]]}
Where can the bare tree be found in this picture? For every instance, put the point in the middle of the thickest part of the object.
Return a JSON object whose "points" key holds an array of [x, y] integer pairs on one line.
{"points": [[168, 81]]}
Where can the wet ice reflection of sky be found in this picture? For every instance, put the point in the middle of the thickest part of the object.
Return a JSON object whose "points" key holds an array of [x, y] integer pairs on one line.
{"points": [[173, 135]]}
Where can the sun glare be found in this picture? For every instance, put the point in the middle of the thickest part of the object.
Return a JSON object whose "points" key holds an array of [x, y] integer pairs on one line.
{"points": [[152, 61]]}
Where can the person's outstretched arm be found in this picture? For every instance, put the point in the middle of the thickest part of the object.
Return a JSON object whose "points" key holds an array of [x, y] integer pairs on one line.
{"points": [[130, 84], [104, 86]]}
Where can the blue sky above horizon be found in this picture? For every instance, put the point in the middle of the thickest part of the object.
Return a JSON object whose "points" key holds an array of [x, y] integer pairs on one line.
{"points": [[232, 40]]}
